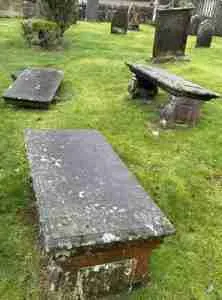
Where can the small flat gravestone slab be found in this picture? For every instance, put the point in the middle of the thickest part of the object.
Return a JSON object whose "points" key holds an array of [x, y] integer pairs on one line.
{"points": [[85, 194], [34, 87]]}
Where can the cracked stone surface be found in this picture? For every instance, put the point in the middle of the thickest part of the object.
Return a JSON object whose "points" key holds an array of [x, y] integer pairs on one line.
{"points": [[34, 86], [85, 194]]}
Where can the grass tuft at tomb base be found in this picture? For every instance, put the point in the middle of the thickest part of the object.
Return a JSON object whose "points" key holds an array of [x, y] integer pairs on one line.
{"points": [[180, 168]]}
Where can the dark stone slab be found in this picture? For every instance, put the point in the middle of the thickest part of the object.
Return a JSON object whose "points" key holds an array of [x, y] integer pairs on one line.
{"points": [[173, 84], [172, 26], [119, 22], [92, 10], [85, 194], [194, 24], [34, 87], [205, 34]]}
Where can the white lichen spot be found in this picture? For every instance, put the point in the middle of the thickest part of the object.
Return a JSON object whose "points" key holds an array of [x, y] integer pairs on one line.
{"points": [[57, 164], [81, 194], [68, 245], [109, 237], [44, 159], [121, 210]]}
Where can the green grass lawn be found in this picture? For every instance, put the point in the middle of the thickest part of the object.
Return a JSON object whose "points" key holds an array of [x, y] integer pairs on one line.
{"points": [[181, 169]]}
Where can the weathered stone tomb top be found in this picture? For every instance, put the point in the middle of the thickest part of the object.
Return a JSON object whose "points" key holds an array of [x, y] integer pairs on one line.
{"points": [[35, 85], [173, 84], [85, 194]]}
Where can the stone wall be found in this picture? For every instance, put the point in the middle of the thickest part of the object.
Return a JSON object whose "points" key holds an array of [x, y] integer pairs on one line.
{"points": [[10, 8]]}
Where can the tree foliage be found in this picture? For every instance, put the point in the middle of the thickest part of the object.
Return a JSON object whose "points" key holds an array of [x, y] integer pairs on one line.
{"points": [[63, 12]]}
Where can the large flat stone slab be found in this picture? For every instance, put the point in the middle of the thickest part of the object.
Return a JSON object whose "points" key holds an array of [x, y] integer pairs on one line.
{"points": [[173, 84], [35, 87], [85, 194]]}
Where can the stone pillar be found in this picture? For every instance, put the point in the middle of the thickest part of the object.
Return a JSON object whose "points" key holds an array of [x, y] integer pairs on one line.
{"points": [[172, 26]]}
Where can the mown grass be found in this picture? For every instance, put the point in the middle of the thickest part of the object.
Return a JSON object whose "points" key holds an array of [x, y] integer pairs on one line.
{"points": [[181, 168]]}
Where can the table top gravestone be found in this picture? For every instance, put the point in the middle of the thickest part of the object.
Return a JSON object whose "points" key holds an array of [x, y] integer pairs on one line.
{"points": [[119, 22], [172, 26], [97, 223], [92, 10], [34, 87], [88, 191]]}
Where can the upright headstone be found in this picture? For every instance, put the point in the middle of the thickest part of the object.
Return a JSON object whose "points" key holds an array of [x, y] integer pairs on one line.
{"points": [[205, 34], [194, 24], [133, 21], [92, 10], [218, 18], [119, 22], [172, 26]]}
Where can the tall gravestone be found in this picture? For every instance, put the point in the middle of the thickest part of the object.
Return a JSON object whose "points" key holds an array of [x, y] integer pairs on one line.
{"points": [[120, 20], [172, 26], [218, 17], [133, 18], [205, 34], [92, 10]]}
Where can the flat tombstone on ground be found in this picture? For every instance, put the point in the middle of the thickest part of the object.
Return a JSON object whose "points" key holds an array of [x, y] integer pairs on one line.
{"points": [[98, 225], [172, 27], [119, 22], [92, 10], [133, 21], [205, 34], [34, 87]]}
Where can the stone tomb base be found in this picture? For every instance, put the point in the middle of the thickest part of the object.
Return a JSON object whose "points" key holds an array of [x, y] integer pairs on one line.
{"points": [[97, 272], [98, 226], [181, 110]]}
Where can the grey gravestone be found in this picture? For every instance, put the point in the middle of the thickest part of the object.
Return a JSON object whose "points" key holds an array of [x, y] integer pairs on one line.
{"points": [[172, 27], [85, 194], [205, 34], [119, 22], [133, 18], [92, 10], [34, 87], [218, 18], [194, 24]]}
